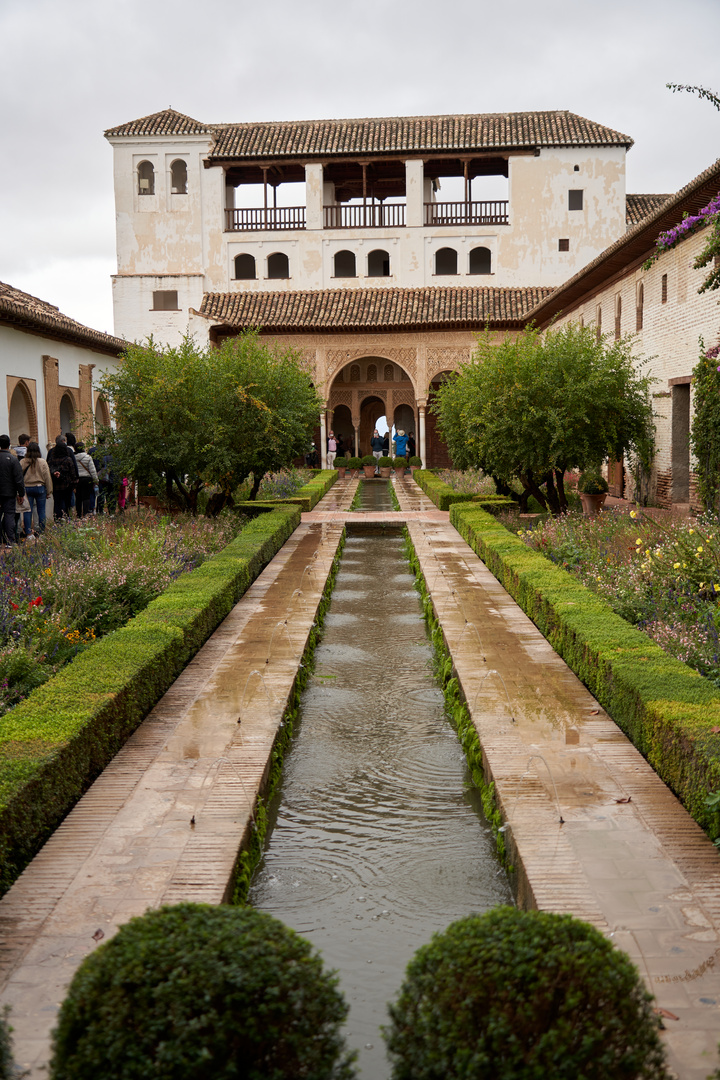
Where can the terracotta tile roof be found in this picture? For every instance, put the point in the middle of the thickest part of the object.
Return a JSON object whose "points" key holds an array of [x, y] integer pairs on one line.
{"points": [[635, 246], [380, 309], [411, 134], [382, 135], [167, 122], [638, 207], [26, 312]]}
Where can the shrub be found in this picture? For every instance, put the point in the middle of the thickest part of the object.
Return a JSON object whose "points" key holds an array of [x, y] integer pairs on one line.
{"points": [[7, 1065], [385, 462], [400, 463], [415, 460], [368, 459], [354, 462], [340, 463], [592, 483], [196, 991], [514, 995]]}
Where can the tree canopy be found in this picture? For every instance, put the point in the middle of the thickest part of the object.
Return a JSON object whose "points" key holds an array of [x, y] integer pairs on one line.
{"points": [[191, 417], [533, 407]]}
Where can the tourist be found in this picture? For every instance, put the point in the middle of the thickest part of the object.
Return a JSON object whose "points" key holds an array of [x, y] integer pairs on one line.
{"points": [[401, 443], [341, 451], [376, 446], [87, 481], [411, 444], [23, 510], [386, 443], [331, 449], [38, 483], [64, 479], [71, 441], [21, 449], [11, 486]]}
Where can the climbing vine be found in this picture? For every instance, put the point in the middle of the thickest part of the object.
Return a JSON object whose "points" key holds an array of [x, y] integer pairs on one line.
{"points": [[705, 430]]}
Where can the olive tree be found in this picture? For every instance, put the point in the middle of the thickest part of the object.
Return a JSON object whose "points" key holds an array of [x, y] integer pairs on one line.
{"points": [[532, 407]]}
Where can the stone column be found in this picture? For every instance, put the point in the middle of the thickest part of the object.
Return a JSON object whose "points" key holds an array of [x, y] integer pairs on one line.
{"points": [[314, 196], [356, 429], [414, 193], [421, 433], [323, 440]]}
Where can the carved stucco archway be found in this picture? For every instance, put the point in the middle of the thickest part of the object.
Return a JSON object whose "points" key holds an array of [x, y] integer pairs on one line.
{"points": [[389, 383]]}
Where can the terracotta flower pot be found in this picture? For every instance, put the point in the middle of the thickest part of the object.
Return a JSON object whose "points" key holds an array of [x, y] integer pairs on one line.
{"points": [[369, 471], [591, 503], [414, 468], [341, 472], [385, 471]]}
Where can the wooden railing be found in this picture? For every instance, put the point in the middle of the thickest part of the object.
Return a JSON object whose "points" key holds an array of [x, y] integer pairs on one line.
{"points": [[263, 219], [369, 216], [467, 213]]}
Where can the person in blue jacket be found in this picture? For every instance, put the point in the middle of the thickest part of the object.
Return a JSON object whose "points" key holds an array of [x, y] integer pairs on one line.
{"points": [[401, 443]]}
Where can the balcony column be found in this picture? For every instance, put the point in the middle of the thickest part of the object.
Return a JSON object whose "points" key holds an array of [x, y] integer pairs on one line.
{"points": [[414, 193], [314, 196], [323, 440]]}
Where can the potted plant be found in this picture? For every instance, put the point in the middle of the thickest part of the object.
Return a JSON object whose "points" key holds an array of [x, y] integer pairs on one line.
{"points": [[385, 465], [399, 464], [341, 466], [354, 464], [415, 463], [592, 489], [368, 464]]}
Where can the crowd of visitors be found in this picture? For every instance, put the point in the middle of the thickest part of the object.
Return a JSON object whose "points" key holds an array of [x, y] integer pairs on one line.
{"points": [[76, 478], [379, 447]]}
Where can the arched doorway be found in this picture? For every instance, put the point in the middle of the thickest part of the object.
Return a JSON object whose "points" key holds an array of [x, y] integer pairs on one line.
{"points": [[342, 425], [404, 420], [102, 413], [22, 415], [438, 456], [371, 410], [67, 414]]}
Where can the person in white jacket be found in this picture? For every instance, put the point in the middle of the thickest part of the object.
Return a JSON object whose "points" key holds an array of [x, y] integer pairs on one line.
{"points": [[87, 480]]}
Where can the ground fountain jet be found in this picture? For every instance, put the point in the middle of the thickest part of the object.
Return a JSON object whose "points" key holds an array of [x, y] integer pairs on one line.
{"points": [[493, 671]]}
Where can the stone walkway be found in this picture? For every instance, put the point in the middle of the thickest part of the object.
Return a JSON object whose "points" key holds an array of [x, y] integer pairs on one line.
{"points": [[590, 827]]}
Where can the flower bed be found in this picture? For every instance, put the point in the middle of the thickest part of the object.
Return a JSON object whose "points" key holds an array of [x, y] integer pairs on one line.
{"points": [[662, 577], [306, 497], [443, 495], [53, 744], [86, 578]]}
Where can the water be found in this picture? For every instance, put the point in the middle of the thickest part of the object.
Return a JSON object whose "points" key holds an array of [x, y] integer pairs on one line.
{"points": [[378, 841], [374, 495]]}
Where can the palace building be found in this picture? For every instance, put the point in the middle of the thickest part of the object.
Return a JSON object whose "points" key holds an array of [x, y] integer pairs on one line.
{"points": [[377, 247]]}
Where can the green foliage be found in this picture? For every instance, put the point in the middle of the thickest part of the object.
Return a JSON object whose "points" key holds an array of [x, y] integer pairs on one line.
{"points": [[354, 462], [209, 416], [415, 460], [536, 406], [523, 995], [7, 1065], [385, 462], [306, 497], [705, 429], [340, 463], [53, 744], [368, 459], [592, 483], [668, 711], [400, 463], [195, 991]]}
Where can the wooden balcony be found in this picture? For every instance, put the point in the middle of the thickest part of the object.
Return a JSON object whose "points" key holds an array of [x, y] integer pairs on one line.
{"points": [[274, 218], [367, 216], [467, 213]]}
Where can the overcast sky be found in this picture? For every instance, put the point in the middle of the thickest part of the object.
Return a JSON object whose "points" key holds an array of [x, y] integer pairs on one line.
{"points": [[69, 69]]}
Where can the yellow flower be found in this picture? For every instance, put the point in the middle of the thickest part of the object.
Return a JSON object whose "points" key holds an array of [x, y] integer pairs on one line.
{"points": [[676, 566], [520, 532], [691, 531], [633, 514], [700, 549], [638, 542]]}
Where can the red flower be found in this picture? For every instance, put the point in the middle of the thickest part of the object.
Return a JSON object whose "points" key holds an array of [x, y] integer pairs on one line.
{"points": [[13, 605], [37, 602]]}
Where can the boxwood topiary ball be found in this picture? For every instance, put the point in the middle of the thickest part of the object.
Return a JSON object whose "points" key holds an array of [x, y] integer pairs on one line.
{"points": [[514, 995], [196, 992]]}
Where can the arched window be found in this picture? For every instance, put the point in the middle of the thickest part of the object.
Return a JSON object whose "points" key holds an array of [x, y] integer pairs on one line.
{"points": [[23, 418], [355, 373], [278, 265], [389, 375], [245, 267], [102, 413], [618, 316], [67, 413], [344, 264], [446, 261], [639, 306], [371, 373], [146, 178], [480, 261], [378, 263], [178, 177]]}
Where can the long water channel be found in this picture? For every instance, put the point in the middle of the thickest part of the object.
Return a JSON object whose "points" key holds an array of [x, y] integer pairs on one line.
{"points": [[379, 838]]}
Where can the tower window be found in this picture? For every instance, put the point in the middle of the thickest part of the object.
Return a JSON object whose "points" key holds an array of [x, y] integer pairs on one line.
{"points": [[245, 267], [563, 245], [575, 200], [480, 261], [278, 265], [146, 178], [165, 300], [178, 177], [446, 261], [344, 264], [378, 264]]}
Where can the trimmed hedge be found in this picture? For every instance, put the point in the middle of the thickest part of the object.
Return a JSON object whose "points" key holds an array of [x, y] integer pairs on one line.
{"points": [[54, 744], [670, 713], [308, 496], [444, 496]]}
